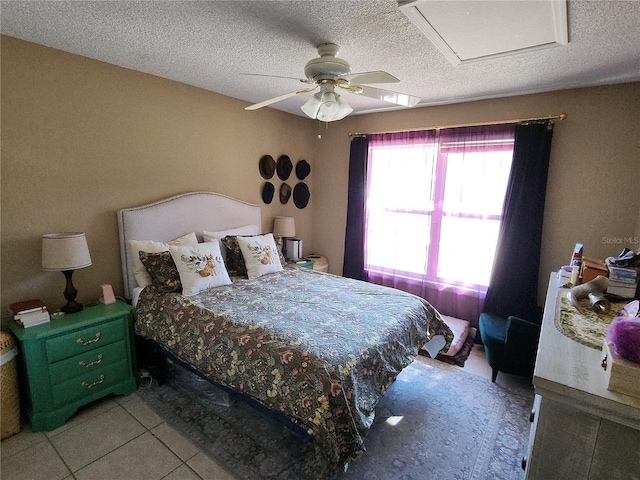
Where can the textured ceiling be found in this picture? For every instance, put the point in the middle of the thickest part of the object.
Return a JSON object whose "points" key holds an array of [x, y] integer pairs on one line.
{"points": [[212, 44]]}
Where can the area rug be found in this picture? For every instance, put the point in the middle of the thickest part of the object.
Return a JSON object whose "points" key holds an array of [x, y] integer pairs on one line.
{"points": [[435, 422]]}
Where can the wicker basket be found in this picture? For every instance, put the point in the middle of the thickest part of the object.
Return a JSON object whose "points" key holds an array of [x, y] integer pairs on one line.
{"points": [[9, 399]]}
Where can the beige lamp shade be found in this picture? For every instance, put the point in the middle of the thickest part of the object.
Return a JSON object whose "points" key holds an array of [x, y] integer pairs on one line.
{"points": [[65, 251], [284, 227]]}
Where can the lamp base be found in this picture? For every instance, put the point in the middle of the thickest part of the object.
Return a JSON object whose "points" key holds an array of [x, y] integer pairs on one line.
{"points": [[72, 307], [70, 294]]}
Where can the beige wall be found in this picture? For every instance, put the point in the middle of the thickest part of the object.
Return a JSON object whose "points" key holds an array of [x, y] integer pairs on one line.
{"points": [[82, 139], [594, 175]]}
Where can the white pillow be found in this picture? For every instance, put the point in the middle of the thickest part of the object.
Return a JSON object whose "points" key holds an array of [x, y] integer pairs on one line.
{"points": [[200, 267], [245, 230], [218, 236], [139, 272], [260, 255]]}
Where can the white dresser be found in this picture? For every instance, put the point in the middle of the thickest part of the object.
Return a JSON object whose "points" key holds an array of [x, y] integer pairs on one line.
{"points": [[580, 430]]}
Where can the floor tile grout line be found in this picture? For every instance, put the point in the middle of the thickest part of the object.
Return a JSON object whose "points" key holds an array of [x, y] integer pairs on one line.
{"points": [[80, 421], [186, 465], [112, 450], [26, 447], [61, 458], [109, 452], [171, 449]]}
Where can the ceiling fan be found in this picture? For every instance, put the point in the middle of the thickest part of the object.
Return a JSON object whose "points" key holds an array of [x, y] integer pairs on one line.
{"points": [[328, 72]]}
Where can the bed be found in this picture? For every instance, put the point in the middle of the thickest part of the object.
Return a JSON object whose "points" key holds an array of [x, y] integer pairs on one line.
{"points": [[317, 348]]}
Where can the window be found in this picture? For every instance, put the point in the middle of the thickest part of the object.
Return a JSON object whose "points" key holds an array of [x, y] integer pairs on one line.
{"points": [[434, 204]]}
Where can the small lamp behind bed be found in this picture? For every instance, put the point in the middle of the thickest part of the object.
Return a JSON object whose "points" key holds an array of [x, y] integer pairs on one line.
{"points": [[283, 227]]}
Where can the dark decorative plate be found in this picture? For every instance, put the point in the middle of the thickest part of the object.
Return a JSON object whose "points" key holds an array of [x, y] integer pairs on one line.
{"points": [[285, 193], [267, 166], [301, 195], [267, 192], [284, 167], [302, 169]]}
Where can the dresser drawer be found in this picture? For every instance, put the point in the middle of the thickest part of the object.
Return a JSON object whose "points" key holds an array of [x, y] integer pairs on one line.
{"points": [[89, 383], [86, 339], [87, 362]]}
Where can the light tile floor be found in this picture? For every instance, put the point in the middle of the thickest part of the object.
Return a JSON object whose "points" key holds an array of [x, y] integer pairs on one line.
{"points": [[120, 437]]}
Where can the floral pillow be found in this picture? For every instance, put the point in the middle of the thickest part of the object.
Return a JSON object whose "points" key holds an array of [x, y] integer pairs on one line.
{"points": [[162, 270], [139, 271], [200, 267], [260, 255], [234, 260]]}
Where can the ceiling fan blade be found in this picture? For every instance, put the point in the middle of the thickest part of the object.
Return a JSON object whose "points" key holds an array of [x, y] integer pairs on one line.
{"points": [[279, 99], [303, 80], [371, 77], [389, 96]]}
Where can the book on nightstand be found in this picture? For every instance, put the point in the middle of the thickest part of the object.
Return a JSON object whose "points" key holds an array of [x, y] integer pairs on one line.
{"points": [[29, 313]]}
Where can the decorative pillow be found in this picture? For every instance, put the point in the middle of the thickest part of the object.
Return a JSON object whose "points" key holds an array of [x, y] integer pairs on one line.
{"points": [[245, 230], [139, 271], [260, 255], [200, 267], [218, 236], [162, 270], [234, 259], [460, 329]]}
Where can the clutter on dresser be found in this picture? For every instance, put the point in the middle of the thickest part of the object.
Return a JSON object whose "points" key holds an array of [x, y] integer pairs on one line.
{"points": [[622, 274], [621, 353], [595, 287], [29, 313], [623, 281]]}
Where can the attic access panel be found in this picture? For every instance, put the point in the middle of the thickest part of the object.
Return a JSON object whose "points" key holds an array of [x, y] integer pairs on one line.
{"points": [[472, 31]]}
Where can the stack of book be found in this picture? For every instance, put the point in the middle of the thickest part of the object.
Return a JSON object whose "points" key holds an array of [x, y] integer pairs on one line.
{"points": [[29, 313], [623, 282]]}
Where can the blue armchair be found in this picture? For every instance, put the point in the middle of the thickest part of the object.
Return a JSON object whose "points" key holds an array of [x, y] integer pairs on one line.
{"points": [[510, 344]]}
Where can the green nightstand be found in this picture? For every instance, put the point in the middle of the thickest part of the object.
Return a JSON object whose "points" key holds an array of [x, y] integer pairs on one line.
{"points": [[74, 360]]}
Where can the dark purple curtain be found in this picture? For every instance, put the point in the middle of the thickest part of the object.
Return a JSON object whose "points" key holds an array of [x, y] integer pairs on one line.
{"points": [[353, 266], [513, 289]]}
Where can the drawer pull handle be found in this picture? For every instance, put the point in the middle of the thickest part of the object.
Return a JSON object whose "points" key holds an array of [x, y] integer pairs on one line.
{"points": [[604, 363], [88, 342], [91, 364], [91, 385]]}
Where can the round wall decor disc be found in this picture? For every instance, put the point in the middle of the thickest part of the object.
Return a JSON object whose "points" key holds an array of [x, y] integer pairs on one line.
{"points": [[267, 166], [301, 195], [302, 169], [284, 167], [285, 193], [267, 192]]}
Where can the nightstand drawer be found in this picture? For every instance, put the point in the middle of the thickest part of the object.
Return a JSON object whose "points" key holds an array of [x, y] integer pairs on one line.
{"points": [[81, 341], [89, 383], [87, 362]]}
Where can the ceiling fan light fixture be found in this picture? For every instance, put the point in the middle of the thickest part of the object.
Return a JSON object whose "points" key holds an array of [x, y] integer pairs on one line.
{"points": [[311, 107], [336, 110], [326, 106], [329, 103]]}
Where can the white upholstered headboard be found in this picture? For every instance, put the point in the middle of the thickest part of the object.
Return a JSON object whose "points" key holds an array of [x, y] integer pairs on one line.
{"points": [[172, 217]]}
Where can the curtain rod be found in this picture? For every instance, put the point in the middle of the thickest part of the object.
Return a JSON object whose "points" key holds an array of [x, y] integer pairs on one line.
{"points": [[559, 117]]}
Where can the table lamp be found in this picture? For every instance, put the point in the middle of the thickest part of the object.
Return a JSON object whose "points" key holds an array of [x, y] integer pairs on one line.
{"points": [[283, 227], [66, 252]]}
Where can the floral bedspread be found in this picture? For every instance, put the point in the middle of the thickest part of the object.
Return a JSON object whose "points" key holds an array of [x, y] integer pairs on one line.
{"points": [[320, 348]]}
